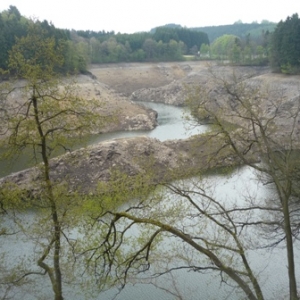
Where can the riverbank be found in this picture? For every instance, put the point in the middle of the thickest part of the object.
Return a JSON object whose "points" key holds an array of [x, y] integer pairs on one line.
{"points": [[156, 161], [162, 82]]}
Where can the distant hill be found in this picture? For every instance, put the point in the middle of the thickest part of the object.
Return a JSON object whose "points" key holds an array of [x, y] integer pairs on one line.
{"points": [[239, 29], [171, 25]]}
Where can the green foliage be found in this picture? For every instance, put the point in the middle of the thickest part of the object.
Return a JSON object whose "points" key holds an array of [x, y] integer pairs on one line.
{"points": [[189, 37], [43, 113], [35, 57], [238, 29], [205, 50], [13, 26], [165, 44], [12, 198], [62, 114], [222, 47], [169, 43], [234, 50], [285, 46]]}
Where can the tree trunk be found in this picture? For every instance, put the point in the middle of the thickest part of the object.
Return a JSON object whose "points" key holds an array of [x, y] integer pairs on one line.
{"points": [[57, 279], [290, 251]]}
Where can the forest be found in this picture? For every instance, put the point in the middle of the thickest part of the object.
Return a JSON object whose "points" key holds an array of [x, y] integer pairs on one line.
{"points": [[239, 29], [239, 44], [84, 47]]}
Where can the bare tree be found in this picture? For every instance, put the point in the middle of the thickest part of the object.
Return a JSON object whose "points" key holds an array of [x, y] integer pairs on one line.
{"points": [[201, 232], [268, 129]]}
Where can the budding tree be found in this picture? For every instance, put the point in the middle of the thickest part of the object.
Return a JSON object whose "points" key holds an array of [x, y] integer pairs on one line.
{"points": [[41, 112], [186, 226]]}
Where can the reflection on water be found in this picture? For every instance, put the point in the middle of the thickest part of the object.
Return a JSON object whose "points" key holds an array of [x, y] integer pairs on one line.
{"points": [[269, 265]]}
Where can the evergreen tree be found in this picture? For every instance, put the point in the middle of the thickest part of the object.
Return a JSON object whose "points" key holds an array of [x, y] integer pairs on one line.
{"points": [[285, 46]]}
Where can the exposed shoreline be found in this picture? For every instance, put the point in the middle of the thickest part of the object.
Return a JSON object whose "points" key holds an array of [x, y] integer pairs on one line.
{"points": [[162, 82]]}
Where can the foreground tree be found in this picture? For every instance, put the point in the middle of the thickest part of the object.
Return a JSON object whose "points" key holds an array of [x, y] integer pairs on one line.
{"points": [[186, 226], [267, 129], [42, 113]]}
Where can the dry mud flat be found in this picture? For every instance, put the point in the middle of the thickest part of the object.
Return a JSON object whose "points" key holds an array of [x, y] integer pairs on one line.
{"points": [[126, 78], [160, 81], [127, 115]]}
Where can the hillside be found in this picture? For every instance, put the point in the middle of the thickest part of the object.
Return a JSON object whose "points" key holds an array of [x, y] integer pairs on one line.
{"points": [[239, 29]]}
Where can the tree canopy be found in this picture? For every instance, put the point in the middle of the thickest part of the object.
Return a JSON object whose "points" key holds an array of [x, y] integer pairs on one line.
{"points": [[83, 47], [285, 46], [44, 115], [239, 29]]}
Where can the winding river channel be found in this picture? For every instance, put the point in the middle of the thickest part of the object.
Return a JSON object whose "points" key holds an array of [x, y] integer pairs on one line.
{"points": [[171, 125], [270, 265]]}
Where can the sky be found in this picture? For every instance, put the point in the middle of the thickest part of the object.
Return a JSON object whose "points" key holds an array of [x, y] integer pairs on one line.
{"points": [[129, 16]]}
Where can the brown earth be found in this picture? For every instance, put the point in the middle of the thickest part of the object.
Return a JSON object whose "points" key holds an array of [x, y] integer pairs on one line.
{"points": [[125, 78], [168, 82], [127, 114], [151, 160], [160, 82]]}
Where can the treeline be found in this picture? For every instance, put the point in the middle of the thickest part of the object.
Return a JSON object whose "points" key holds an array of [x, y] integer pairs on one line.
{"points": [[253, 44], [84, 47], [13, 27], [280, 48], [239, 43], [239, 29], [285, 45], [233, 49], [164, 44]]}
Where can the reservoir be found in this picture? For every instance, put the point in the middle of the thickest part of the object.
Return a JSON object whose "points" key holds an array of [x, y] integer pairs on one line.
{"points": [[269, 264]]}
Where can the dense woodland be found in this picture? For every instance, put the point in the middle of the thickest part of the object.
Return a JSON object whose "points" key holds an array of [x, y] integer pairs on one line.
{"points": [[239, 29], [84, 47], [247, 44]]}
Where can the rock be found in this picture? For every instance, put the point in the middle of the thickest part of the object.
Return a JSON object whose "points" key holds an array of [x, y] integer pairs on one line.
{"points": [[129, 115], [172, 93]]}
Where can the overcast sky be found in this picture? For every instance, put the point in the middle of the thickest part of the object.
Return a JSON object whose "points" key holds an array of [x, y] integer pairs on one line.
{"points": [[128, 16]]}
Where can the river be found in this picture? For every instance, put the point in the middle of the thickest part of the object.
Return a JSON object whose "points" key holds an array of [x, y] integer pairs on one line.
{"points": [[171, 125], [269, 264]]}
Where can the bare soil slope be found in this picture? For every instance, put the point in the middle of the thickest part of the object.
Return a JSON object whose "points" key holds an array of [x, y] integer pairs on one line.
{"points": [[126, 78]]}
